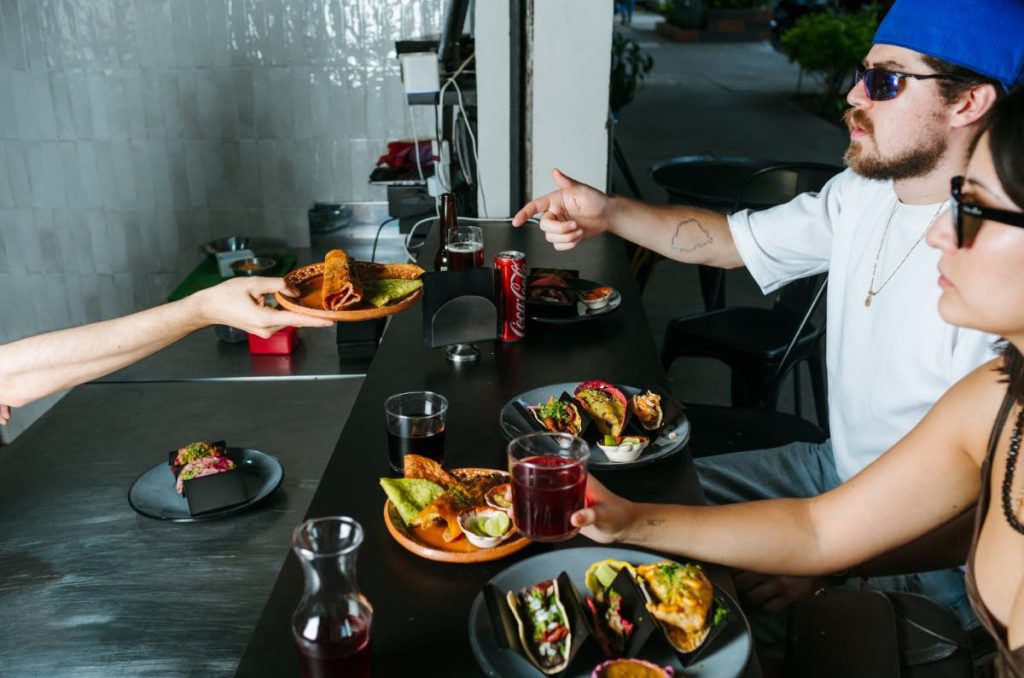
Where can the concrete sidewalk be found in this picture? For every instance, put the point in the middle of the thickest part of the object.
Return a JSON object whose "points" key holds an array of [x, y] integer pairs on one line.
{"points": [[724, 99]]}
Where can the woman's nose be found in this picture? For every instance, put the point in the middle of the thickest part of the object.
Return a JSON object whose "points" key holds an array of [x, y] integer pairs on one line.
{"points": [[941, 234]]}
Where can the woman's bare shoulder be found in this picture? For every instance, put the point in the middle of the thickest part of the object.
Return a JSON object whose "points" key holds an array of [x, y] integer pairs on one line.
{"points": [[970, 407]]}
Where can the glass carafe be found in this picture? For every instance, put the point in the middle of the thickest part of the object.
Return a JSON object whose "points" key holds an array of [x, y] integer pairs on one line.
{"points": [[331, 625]]}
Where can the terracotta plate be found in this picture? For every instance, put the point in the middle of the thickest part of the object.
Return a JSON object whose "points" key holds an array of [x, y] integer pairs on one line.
{"points": [[429, 543], [309, 281]]}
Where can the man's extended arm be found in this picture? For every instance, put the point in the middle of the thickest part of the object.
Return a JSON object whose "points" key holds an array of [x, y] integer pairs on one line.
{"points": [[576, 211]]}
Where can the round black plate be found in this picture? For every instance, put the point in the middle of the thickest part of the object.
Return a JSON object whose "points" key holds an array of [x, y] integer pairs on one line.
{"points": [[673, 437], [726, 657], [153, 494], [581, 312]]}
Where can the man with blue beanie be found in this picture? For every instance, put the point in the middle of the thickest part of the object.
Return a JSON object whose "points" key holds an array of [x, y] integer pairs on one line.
{"points": [[918, 103]]}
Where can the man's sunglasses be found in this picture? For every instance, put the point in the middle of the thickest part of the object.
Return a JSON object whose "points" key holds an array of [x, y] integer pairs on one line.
{"points": [[882, 84], [968, 216]]}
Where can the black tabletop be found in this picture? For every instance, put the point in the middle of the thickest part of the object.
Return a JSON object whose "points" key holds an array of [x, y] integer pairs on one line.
{"points": [[421, 607]]}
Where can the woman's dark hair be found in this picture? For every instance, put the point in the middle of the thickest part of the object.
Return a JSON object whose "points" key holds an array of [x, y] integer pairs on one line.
{"points": [[1005, 127]]}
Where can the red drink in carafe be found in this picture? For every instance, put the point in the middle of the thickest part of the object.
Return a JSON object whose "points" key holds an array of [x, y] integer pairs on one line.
{"points": [[341, 648]]}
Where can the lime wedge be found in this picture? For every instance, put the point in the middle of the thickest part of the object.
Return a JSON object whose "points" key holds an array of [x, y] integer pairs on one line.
{"points": [[495, 525]]}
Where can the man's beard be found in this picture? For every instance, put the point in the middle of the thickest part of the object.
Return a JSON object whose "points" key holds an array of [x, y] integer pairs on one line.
{"points": [[913, 163]]}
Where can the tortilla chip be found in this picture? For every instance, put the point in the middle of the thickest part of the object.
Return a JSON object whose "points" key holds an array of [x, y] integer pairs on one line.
{"points": [[416, 466], [410, 495]]}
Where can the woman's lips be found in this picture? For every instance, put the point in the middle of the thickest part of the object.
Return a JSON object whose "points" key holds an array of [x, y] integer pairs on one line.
{"points": [[944, 282]]}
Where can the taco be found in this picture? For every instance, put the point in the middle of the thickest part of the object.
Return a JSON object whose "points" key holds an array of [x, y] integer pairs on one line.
{"points": [[605, 404], [680, 597], [558, 416], [342, 287], [612, 629], [647, 408], [543, 625]]}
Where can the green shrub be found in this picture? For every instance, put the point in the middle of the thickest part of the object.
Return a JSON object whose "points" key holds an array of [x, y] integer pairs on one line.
{"points": [[831, 45], [630, 65], [738, 4]]}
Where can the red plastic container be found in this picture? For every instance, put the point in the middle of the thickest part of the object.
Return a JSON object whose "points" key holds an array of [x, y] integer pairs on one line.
{"points": [[281, 342]]}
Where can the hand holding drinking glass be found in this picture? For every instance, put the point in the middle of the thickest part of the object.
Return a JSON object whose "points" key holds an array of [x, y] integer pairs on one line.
{"points": [[549, 480]]}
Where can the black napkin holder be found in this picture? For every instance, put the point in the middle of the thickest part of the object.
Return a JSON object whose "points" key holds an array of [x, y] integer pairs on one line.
{"points": [[216, 492], [458, 307], [213, 492]]}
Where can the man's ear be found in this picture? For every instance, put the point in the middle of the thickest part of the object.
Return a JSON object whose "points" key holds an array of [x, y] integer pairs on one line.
{"points": [[974, 105]]}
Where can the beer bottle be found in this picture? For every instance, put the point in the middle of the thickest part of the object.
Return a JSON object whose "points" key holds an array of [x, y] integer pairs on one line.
{"points": [[448, 225]]}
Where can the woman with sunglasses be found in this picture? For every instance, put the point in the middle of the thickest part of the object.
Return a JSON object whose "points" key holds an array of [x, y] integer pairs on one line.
{"points": [[954, 459]]}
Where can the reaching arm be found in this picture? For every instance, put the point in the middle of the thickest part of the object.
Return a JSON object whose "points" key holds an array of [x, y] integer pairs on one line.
{"points": [[35, 367], [576, 211], [925, 481]]}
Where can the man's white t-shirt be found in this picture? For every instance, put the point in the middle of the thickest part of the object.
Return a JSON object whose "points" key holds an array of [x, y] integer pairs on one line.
{"points": [[887, 363]]}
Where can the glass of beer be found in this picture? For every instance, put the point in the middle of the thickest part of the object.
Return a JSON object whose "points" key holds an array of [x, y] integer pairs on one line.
{"points": [[466, 248], [549, 482], [415, 424]]}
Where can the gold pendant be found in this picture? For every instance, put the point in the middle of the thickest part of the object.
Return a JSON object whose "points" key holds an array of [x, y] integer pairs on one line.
{"points": [[867, 299]]}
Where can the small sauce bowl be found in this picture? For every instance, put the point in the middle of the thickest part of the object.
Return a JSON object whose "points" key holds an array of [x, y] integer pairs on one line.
{"points": [[470, 519], [625, 452], [596, 298], [500, 497], [253, 266]]}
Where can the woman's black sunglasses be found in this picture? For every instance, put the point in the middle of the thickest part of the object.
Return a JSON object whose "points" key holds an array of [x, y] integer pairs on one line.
{"points": [[882, 84], [968, 216]]}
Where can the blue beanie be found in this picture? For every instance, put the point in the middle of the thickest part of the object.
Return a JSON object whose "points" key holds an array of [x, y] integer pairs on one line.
{"points": [[985, 36]]}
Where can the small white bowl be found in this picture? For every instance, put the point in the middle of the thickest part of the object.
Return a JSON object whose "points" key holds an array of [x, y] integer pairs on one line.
{"points": [[599, 302], [495, 502], [466, 519], [622, 453]]}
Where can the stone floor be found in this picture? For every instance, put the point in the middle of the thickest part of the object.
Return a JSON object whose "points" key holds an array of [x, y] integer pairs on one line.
{"points": [[723, 99]]}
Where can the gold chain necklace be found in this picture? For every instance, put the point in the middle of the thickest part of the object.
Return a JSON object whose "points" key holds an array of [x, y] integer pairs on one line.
{"points": [[872, 292]]}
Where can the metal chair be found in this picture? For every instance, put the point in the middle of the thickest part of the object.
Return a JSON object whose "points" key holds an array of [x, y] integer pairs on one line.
{"points": [[763, 346]]}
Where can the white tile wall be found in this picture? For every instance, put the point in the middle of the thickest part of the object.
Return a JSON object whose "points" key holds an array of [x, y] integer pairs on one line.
{"points": [[131, 131]]}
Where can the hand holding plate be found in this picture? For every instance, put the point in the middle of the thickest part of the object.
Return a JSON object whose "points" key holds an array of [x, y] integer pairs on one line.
{"points": [[239, 303]]}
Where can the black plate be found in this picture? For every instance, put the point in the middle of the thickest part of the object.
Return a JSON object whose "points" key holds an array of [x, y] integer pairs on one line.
{"points": [[725, 657], [153, 494], [580, 310], [674, 435]]}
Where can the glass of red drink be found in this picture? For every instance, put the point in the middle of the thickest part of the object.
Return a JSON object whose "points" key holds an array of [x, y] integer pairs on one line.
{"points": [[331, 625], [415, 424], [465, 248], [549, 482]]}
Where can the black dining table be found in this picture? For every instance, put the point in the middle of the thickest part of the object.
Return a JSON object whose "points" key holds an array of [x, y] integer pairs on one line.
{"points": [[421, 607], [89, 587]]}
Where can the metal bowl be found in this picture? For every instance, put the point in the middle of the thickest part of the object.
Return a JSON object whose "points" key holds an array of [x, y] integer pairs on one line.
{"points": [[253, 266], [233, 243]]}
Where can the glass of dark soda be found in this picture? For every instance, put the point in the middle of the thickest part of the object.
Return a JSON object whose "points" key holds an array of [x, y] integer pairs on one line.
{"points": [[465, 248], [549, 482], [415, 425]]}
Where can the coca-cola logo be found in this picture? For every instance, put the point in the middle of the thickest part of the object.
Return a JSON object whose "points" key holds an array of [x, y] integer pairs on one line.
{"points": [[517, 285]]}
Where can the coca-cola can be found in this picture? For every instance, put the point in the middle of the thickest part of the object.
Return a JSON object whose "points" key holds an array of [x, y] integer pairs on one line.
{"points": [[510, 294]]}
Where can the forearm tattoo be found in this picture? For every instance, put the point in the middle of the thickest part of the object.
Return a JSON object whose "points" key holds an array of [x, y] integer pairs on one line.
{"points": [[690, 235]]}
